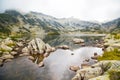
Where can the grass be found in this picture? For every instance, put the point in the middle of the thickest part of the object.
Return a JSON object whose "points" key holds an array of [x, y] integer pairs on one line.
{"points": [[110, 55]]}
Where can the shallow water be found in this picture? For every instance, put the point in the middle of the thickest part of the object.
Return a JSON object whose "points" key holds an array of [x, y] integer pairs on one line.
{"points": [[56, 65]]}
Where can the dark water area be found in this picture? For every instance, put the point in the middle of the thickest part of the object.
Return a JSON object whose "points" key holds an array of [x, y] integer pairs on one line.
{"points": [[56, 65]]}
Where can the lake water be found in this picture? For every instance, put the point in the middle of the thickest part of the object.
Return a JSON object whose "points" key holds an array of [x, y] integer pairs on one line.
{"points": [[57, 64]]}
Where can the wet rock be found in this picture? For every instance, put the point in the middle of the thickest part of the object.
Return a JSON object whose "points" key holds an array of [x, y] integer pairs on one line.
{"points": [[46, 54], [6, 53], [24, 54], [31, 58], [78, 41], [63, 47], [13, 53], [41, 64], [87, 60], [104, 77], [25, 50], [9, 56], [8, 60], [74, 68]]}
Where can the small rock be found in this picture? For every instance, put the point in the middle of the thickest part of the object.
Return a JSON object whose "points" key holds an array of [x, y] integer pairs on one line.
{"points": [[72, 53], [1, 62], [53, 49], [31, 58], [13, 53], [24, 54], [41, 64], [25, 50], [74, 68], [64, 47], [84, 65], [46, 54], [20, 44], [78, 41], [8, 56], [8, 60]]}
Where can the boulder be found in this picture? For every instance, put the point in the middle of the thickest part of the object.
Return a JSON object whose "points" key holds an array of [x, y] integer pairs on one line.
{"points": [[13, 53], [9, 56], [25, 50], [46, 54], [24, 54], [63, 47], [41, 64], [74, 68], [8, 60], [36, 45], [31, 58], [77, 41], [20, 44]]}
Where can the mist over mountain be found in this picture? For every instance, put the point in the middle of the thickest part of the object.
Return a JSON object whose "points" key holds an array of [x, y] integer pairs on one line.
{"points": [[14, 21]]}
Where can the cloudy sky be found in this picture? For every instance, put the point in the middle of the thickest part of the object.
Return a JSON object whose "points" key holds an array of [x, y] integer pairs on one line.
{"points": [[99, 10]]}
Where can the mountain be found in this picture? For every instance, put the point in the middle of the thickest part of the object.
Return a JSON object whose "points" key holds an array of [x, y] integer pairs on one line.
{"points": [[14, 22], [112, 26]]}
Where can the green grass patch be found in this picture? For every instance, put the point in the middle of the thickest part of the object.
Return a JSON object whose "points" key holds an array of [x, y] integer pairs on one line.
{"points": [[110, 55]]}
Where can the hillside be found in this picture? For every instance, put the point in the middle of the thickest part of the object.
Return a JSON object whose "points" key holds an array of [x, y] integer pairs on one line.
{"points": [[14, 22]]}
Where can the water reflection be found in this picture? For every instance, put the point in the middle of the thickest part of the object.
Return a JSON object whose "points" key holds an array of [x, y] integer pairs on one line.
{"points": [[67, 40]]}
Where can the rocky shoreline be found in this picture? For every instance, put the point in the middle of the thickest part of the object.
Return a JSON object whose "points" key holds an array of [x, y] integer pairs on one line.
{"points": [[37, 51]]}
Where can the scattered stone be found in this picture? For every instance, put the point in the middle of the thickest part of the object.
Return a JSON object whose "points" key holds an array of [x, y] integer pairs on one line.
{"points": [[8, 60], [78, 41], [41, 64], [63, 47], [31, 58], [85, 65], [74, 68], [9, 56], [13, 53], [20, 44], [5, 47], [87, 60], [95, 56], [46, 54], [25, 50], [24, 54], [72, 53]]}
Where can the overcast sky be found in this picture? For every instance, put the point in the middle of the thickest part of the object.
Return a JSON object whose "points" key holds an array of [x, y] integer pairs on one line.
{"points": [[99, 10]]}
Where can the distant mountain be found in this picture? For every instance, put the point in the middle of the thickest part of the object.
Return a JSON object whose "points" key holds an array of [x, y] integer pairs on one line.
{"points": [[112, 26], [13, 21]]}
